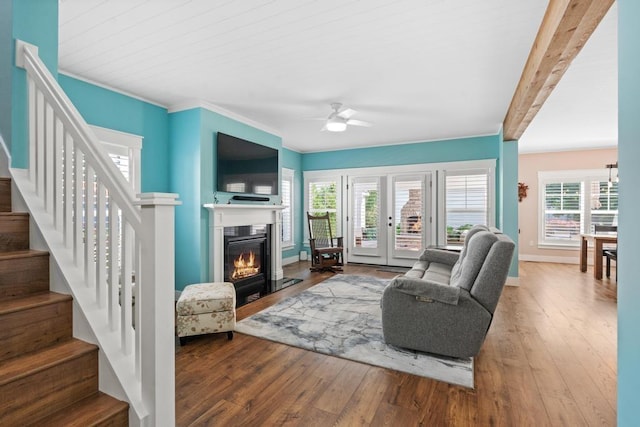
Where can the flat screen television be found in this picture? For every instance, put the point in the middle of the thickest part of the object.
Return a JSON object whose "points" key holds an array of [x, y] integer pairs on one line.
{"points": [[246, 167]]}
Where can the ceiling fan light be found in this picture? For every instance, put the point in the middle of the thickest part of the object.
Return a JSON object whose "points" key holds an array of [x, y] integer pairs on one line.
{"points": [[336, 126]]}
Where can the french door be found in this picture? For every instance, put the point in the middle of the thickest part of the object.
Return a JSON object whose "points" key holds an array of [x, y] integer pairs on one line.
{"points": [[389, 219]]}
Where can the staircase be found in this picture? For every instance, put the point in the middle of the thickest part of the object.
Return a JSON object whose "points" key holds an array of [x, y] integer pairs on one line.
{"points": [[47, 377]]}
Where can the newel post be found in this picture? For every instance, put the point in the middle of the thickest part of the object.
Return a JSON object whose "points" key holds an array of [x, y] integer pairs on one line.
{"points": [[156, 293]]}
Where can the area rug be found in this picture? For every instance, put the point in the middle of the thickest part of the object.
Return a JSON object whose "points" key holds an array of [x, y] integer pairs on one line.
{"points": [[341, 317]]}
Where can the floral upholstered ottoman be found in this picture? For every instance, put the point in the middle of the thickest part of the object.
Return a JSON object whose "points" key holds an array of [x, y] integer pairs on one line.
{"points": [[206, 308]]}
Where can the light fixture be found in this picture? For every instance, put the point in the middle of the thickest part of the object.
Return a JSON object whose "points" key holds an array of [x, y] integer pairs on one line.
{"points": [[336, 124], [612, 166]]}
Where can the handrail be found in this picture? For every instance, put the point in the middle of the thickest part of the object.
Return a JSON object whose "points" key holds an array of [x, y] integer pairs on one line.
{"points": [[106, 170], [115, 251]]}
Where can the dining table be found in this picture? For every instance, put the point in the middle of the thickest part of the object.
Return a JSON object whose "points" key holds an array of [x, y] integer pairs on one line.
{"points": [[599, 239]]}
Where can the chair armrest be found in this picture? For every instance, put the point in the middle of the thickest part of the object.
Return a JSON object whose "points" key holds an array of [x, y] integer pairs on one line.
{"points": [[425, 290], [440, 256]]}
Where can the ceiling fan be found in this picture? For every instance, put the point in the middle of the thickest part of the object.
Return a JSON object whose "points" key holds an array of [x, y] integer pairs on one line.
{"points": [[338, 120]]}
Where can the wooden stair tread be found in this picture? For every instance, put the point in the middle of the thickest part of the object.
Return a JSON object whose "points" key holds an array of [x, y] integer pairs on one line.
{"points": [[22, 254], [19, 214], [35, 300], [28, 364], [90, 411]]}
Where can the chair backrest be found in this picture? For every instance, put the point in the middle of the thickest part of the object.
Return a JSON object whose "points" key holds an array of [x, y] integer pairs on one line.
{"points": [[320, 230], [484, 265], [597, 228]]}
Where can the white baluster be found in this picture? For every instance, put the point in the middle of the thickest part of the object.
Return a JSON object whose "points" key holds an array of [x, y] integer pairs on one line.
{"points": [[90, 226], [126, 257], [49, 177], [32, 129], [78, 204], [68, 191], [136, 307], [114, 268], [101, 245], [40, 140], [58, 184]]}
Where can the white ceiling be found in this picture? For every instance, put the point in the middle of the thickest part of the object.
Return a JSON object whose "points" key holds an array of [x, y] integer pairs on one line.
{"points": [[582, 111], [418, 70]]}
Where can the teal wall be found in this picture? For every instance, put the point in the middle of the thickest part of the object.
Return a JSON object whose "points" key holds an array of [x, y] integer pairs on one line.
{"points": [[35, 22], [293, 160], [184, 152], [629, 211], [6, 68], [193, 176], [112, 110], [482, 147], [509, 199]]}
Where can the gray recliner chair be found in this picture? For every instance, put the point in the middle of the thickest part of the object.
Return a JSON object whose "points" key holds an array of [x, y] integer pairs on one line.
{"points": [[445, 303]]}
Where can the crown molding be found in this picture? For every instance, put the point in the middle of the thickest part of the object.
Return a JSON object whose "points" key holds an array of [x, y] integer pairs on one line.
{"points": [[190, 104], [111, 88]]}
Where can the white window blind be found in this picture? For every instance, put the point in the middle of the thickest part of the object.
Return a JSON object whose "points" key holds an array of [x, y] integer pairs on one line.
{"points": [[604, 203], [573, 202], [466, 201], [287, 203], [122, 162], [563, 211], [322, 196]]}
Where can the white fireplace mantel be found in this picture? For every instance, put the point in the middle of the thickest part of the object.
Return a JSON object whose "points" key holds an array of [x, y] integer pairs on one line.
{"points": [[221, 216]]}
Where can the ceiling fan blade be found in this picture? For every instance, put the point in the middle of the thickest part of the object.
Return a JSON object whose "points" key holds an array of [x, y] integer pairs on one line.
{"points": [[346, 113], [358, 123], [324, 128]]}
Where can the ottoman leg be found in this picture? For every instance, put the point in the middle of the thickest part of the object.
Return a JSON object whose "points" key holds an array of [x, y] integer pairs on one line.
{"points": [[183, 340], [230, 335]]}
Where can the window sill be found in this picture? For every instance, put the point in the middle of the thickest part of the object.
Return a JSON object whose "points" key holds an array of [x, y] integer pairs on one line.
{"points": [[286, 247], [560, 246]]}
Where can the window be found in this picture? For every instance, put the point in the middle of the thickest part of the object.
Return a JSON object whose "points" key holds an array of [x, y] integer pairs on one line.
{"points": [[572, 203], [322, 194], [124, 149], [467, 202], [287, 212]]}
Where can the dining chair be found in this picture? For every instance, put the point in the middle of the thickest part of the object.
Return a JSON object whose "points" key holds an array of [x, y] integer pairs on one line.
{"points": [[610, 252]]}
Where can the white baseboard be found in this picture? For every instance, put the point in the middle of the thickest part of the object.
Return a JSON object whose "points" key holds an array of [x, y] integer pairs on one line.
{"points": [[554, 259], [513, 281], [290, 260]]}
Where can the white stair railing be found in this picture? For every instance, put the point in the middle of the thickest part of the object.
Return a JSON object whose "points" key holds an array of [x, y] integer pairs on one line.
{"points": [[116, 251]]}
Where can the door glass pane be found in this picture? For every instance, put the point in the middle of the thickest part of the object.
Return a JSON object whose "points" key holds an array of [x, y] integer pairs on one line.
{"points": [[366, 208], [408, 215]]}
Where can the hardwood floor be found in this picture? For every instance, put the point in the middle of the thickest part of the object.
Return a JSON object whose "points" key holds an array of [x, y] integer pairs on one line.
{"points": [[549, 360]]}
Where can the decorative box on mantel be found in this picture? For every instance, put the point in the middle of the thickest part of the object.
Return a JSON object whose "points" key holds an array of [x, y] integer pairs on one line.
{"points": [[221, 216]]}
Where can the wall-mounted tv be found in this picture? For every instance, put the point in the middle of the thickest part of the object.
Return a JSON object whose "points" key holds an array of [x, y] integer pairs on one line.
{"points": [[246, 167]]}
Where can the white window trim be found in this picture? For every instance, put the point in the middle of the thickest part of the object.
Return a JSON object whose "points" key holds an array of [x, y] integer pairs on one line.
{"points": [[489, 170], [288, 175], [585, 176], [327, 175], [124, 144]]}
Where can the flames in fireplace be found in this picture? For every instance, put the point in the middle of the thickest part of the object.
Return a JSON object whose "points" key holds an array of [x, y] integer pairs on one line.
{"points": [[245, 266]]}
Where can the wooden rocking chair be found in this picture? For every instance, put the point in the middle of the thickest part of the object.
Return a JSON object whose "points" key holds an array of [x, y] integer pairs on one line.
{"points": [[325, 255]]}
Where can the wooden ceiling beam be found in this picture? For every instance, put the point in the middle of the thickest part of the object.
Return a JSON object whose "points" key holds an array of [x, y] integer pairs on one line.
{"points": [[565, 28]]}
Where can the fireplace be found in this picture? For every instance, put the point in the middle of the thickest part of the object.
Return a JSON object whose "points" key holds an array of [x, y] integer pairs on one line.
{"points": [[230, 216], [247, 259]]}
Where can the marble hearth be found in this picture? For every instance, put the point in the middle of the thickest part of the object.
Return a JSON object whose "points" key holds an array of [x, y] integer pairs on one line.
{"points": [[221, 216]]}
